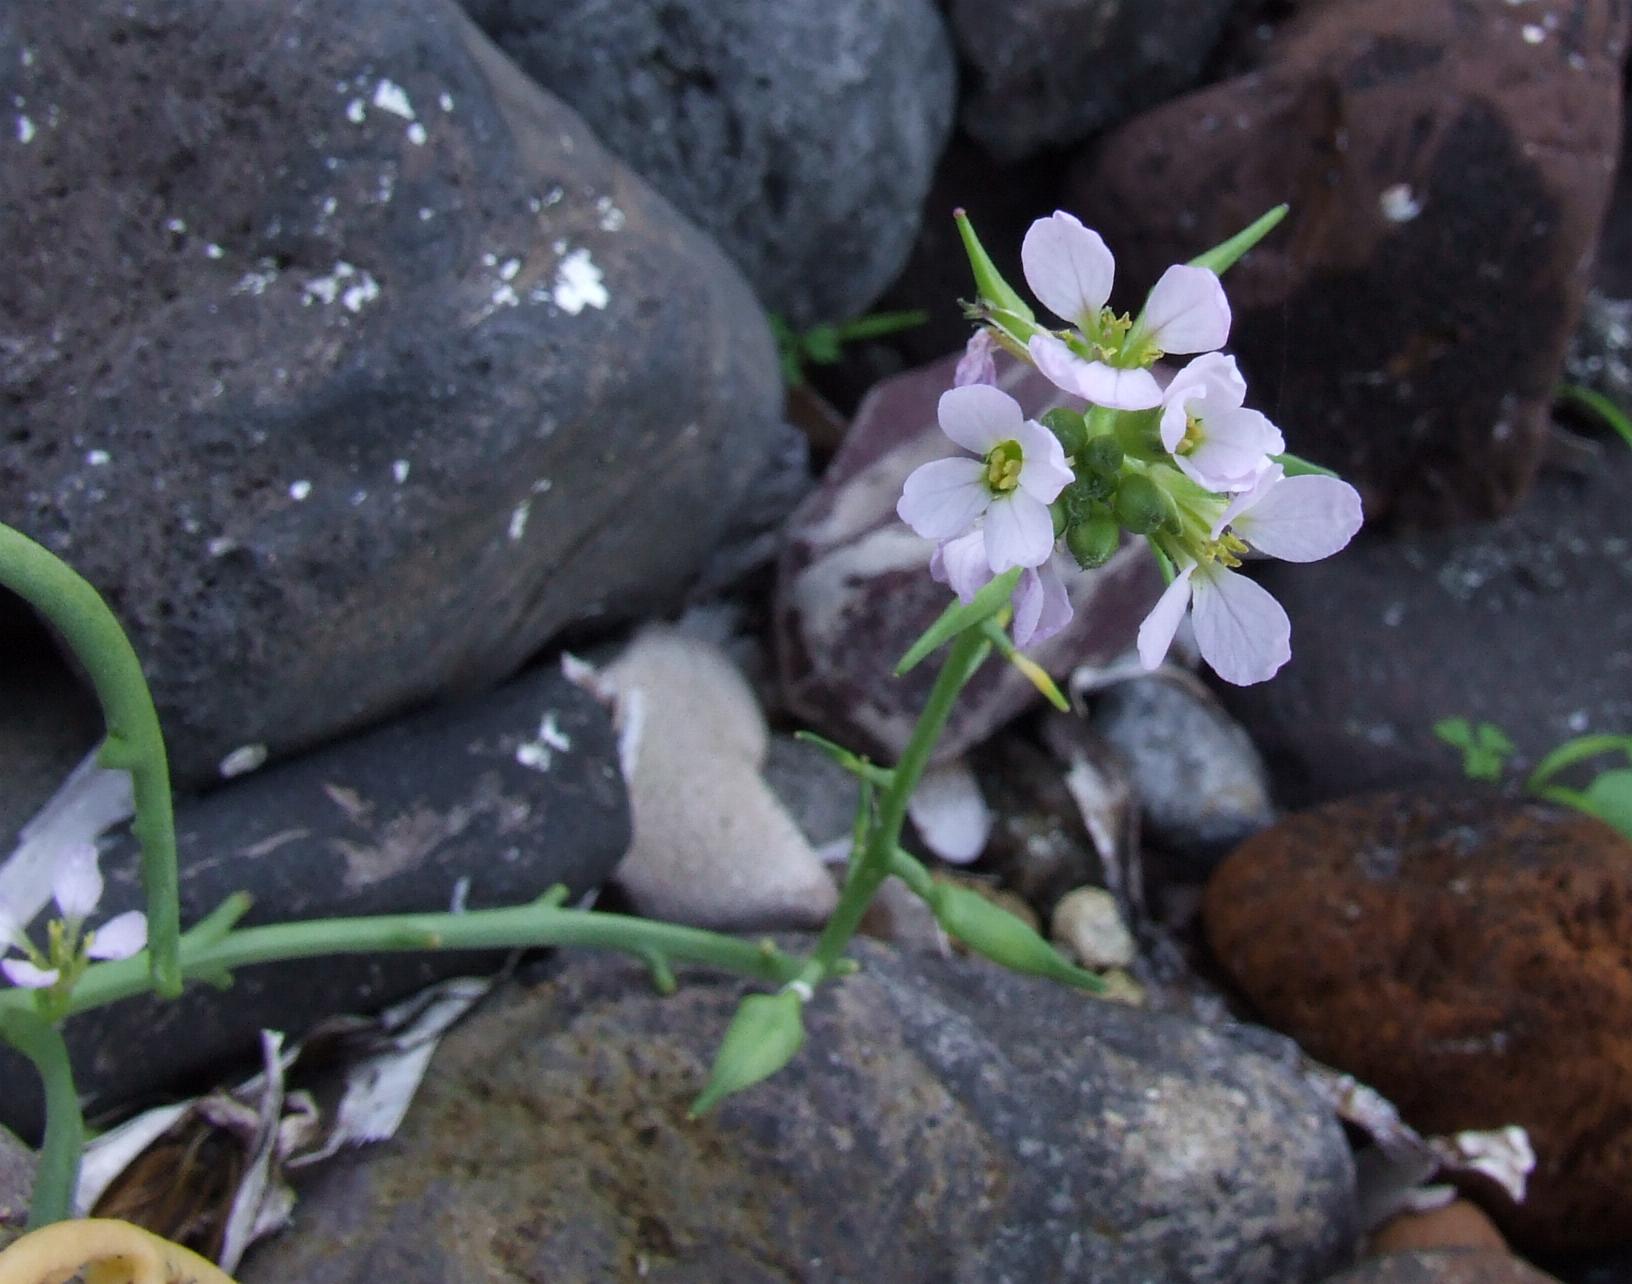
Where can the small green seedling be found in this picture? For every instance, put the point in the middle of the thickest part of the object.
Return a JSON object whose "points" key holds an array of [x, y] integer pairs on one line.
{"points": [[823, 345], [1485, 749], [1608, 796]]}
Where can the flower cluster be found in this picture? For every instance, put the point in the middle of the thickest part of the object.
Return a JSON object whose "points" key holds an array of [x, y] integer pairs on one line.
{"points": [[76, 886], [1188, 466]]}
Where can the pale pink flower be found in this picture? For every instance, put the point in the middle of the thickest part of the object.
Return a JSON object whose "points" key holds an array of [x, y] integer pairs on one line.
{"points": [[1213, 438], [1297, 519], [978, 364], [1041, 601], [76, 886], [1070, 270], [1241, 630], [1019, 470]]}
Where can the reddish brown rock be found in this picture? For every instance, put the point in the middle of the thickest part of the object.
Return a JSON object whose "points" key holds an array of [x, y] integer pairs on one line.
{"points": [[1443, 1266], [853, 588], [1469, 958], [1459, 1224], [1447, 164]]}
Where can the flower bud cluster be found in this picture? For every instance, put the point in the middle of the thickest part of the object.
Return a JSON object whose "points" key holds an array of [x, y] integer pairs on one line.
{"points": [[1186, 466]]}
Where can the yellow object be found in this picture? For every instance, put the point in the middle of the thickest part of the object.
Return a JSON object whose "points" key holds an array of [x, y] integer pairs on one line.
{"points": [[109, 1252]]}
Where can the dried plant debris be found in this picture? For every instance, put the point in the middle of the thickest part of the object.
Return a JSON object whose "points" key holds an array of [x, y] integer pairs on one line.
{"points": [[211, 1173], [1396, 1171]]}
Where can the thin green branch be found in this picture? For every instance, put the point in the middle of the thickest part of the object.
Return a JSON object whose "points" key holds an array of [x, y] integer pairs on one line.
{"points": [[134, 741], [57, 1175]]}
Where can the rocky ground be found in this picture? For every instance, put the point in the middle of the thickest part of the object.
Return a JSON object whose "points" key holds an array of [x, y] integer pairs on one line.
{"points": [[374, 353]]}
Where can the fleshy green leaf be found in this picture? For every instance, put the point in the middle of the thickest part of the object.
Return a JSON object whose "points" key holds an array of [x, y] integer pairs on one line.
{"points": [[1297, 467], [1573, 751], [1610, 799], [994, 290], [1454, 731], [1599, 405], [960, 616], [1227, 253]]}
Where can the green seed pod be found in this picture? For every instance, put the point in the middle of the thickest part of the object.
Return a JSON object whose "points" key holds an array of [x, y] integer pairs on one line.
{"points": [[1093, 541], [1103, 455], [1068, 426], [1139, 505], [999, 935], [762, 1038]]}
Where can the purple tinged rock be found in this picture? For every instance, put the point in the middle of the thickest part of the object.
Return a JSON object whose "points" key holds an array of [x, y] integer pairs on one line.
{"points": [[854, 591]]}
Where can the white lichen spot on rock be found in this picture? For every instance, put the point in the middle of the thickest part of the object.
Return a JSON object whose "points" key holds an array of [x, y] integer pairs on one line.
{"points": [[1399, 203], [356, 113], [537, 753], [416, 134], [298, 490], [25, 130], [256, 282], [611, 217], [444, 100], [353, 287], [27, 57], [399, 470], [176, 225], [97, 458], [508, 269], [518, 520], [213, 251], [426, 214], [221, 545], [578, 284], [506, 297], [1533, 35], [244, 759], [390, 96]]}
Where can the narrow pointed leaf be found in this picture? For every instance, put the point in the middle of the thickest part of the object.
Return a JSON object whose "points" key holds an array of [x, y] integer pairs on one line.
{"points": [[960, 616], [1227, 253]]}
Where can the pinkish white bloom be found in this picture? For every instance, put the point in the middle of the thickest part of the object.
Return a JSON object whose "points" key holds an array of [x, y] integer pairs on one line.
{"points": [[1018, 471], [1297, 519], [978, 364], [1213, 438], [76, 886], [1041, 601], [1241, 630], [1070, 270]]}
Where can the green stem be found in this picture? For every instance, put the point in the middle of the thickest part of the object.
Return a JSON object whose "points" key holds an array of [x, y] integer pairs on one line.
{"points": [[134, 741], [58, 1173], [969, 652], [211, 956]]}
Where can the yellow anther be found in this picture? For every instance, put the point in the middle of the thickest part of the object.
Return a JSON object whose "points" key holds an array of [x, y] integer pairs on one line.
{"points": [[1003, 467]]}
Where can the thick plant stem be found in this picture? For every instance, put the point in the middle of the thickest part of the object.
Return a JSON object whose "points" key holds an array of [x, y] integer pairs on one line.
{"points": [[213, 956], [134, 742], [58, 1171], [969, 651]]}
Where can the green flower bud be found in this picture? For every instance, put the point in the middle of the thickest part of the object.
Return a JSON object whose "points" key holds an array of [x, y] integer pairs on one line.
{"points": [[1093, 541], [1061, 518], [1088, 489], [999, 935], [1068, 426], [762, 1038], [1139, 504], [1103, 455]]}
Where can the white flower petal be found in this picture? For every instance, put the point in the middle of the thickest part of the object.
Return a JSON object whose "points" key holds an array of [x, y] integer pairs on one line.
{"points": [[120, 937], [961, 564], [943, 497], [1042, 605], [978, 416], [1241, 630], [1248, 499], [23, 973], [76, 882], [1043, 470], [1118, 389], [1302, 519], [1234, 449], [1187, 310], [977, 364], [1216, 373], [1019, 532], [951, 815], [1067, 266], [1156, 633]]}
